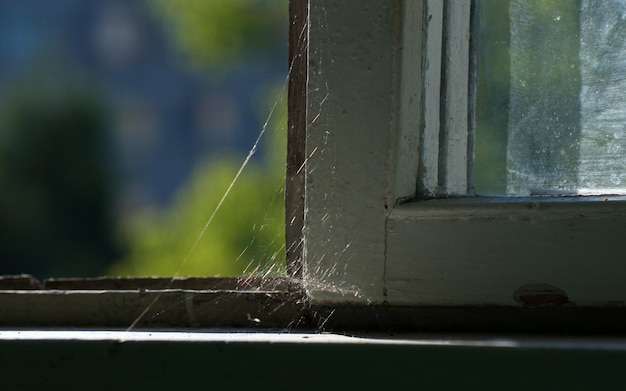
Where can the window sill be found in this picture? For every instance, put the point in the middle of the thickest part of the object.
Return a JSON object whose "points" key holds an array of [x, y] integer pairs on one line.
{"points": [[103, 360], [274, 304], [120, 302]]}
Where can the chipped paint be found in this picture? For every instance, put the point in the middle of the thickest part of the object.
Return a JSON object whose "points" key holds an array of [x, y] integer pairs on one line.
{"points": [[540, 295]]}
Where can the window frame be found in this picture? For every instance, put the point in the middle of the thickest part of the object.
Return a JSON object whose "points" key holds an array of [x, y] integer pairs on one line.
{"points": [[352, 215], [375, 72]]}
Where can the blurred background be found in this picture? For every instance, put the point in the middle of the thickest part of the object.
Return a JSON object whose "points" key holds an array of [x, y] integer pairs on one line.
{"points": [[122, 124]]}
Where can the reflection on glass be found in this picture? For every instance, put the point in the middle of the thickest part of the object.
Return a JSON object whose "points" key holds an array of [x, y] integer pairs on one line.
{"points": [[551, 98]]}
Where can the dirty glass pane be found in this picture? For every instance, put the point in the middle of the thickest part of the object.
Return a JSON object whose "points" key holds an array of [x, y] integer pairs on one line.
{"points": [[550, 98]]}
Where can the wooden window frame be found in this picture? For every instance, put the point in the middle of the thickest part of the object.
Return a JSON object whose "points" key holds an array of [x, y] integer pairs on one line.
{"points": [[363, 251], [383, 77]]}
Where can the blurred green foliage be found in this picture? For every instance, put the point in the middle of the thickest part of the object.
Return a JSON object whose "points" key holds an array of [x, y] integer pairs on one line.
{"points": [[247, 232], [55, 190], [219, 33], [246, 235]]}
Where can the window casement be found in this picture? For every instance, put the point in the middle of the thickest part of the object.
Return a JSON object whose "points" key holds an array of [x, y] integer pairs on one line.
{"points": [[366, 241], [383, 230], [389, 216]]}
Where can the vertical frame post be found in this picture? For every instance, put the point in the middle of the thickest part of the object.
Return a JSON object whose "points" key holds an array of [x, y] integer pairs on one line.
{"points": [[296, 135]]}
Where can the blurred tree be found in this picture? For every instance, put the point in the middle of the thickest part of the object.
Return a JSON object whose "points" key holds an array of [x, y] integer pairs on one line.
{"points": [[247, 233], [54, 186], [222, 33]]}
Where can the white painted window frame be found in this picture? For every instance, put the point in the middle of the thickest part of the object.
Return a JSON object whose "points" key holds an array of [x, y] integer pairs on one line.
{"points": [[384, 105]]}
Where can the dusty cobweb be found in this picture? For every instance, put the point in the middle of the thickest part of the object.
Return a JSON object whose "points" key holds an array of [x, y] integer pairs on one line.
{"points": [[265, 271]]}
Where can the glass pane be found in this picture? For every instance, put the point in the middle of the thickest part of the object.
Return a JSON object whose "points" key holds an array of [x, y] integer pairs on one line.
{"points": [[551, 98]]}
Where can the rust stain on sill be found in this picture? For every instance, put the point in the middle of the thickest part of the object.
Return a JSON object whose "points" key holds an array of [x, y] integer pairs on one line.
{"points": [[540, 295]]}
